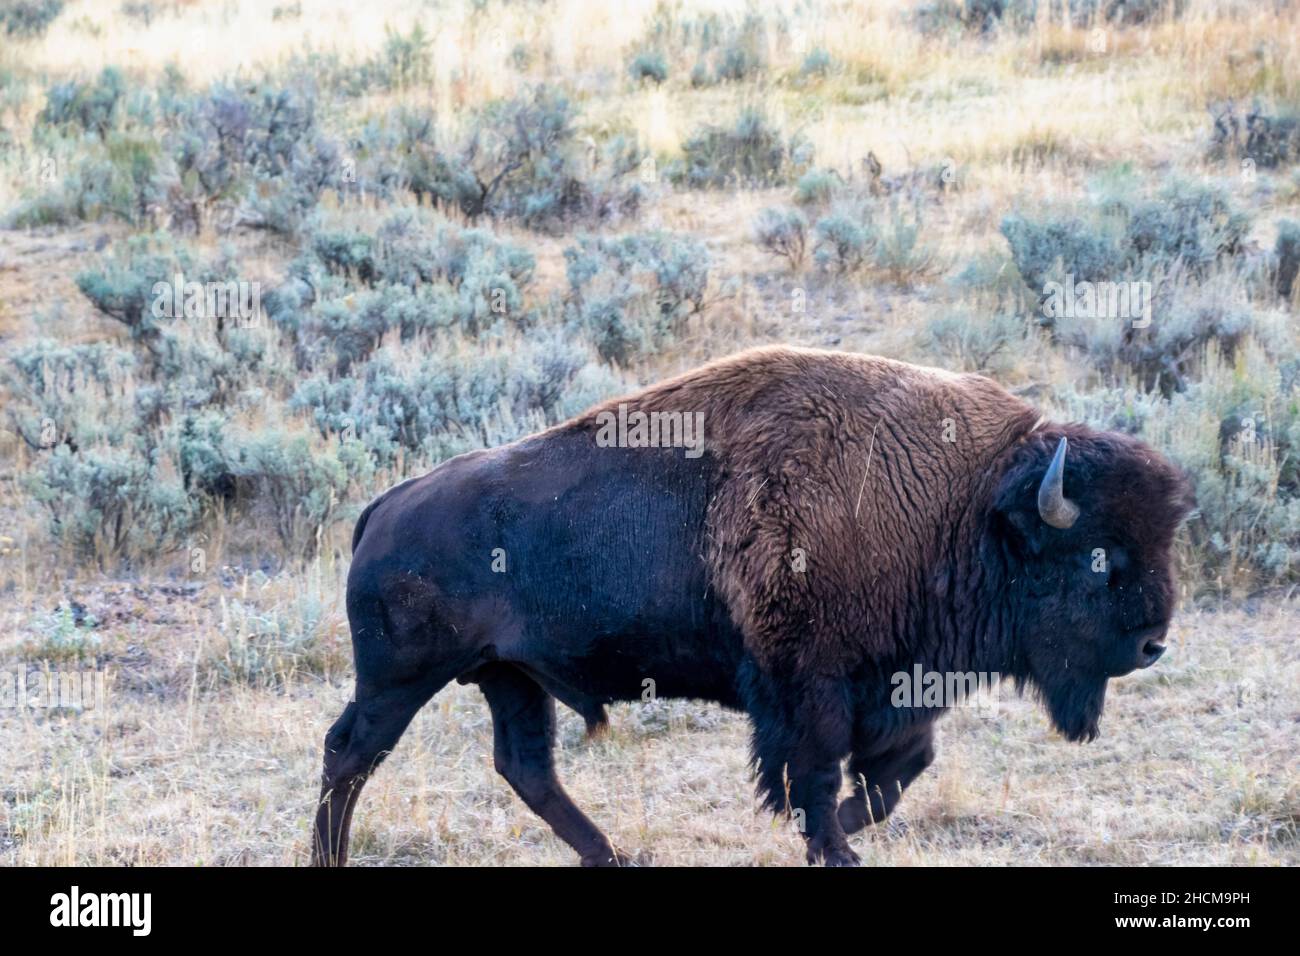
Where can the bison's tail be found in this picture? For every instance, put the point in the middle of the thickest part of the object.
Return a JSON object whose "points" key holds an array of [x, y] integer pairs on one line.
{"points": [[361, 523]]}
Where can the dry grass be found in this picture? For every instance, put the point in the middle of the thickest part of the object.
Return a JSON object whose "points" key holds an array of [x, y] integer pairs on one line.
{"points": [[186, 765]]}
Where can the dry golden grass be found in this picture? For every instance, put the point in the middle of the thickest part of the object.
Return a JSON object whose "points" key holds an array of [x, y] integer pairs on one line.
{"points": [[185, 765]]}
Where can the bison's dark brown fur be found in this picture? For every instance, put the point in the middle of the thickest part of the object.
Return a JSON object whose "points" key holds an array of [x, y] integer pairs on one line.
{"points": [[851, 518]]}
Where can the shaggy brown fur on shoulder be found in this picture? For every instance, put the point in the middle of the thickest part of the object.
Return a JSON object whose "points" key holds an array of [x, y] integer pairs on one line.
{"points": [[856, 469]]}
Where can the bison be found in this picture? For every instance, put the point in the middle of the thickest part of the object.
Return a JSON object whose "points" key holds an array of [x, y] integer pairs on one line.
{"points": [[842, 518]]}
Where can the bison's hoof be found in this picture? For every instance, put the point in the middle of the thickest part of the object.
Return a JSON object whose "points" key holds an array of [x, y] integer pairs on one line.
{"points": [[836, 854], [610, 857]]}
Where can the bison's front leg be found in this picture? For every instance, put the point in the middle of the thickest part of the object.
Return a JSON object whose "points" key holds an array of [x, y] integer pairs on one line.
{"points": [[814, 793], [797, 751], [880, 776]]}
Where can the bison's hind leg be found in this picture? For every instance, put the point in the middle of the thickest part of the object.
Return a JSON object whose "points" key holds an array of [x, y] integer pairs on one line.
{"points": [[523, 725], [356, 744]]}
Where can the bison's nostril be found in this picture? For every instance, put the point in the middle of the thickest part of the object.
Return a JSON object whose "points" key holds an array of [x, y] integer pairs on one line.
{"points": [[1151, 652]]}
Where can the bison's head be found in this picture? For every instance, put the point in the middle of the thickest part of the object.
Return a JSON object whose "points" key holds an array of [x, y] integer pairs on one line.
{"points": [[1084, 521]]}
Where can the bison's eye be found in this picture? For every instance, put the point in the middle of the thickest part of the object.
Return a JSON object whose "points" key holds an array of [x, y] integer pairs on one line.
{"points": [[1117, 565], [1100, 572], [1106, 566]]}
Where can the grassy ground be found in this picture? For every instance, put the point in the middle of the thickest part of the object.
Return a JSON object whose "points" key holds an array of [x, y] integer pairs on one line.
{"points": [[206, 748], [1196, 763]]}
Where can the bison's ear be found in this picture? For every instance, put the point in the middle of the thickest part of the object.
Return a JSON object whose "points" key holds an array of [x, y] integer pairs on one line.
{"points": [[1030, 509], [1020, 530], [1016, 521]]}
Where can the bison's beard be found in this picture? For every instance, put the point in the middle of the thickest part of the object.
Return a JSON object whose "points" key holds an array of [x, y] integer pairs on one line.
{"points": [[1075, 707]]}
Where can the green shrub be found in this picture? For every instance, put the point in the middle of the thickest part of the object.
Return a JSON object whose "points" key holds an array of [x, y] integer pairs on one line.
{"points": [[843, 239], [123, 288], [351, 254], [351, 328], [817, 187], [405, 250], [431, 406], [990, 275], [989, 344], [634, 294], [783, 232], [111, 504], [112, 157], [984, 16], [900, 252], [817, 63], [402, 151], [649, 65], [1193, 224], [209, 351], [722, 47], [91, 107], [115, 178], [29, 18], [270, 644], [955, 17], [1267, 141], [293, 487], [529, 163], [134, 286], [407, 59], [200, 445], [403, 62], [143, 12], [1286, 252], [1187, 226], [749, 153], [55, 390], [1272, 141], [1179, 252], [744, 55], [1048, 249], [66, 633], [1165, 354], [253, 155], [522, 158], [407, 277], [198, 366], [249, 155], [123, 183], [516, 143]]}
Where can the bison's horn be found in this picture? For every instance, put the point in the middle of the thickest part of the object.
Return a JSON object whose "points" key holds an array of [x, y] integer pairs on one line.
{"points": [[1056, 509]]}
